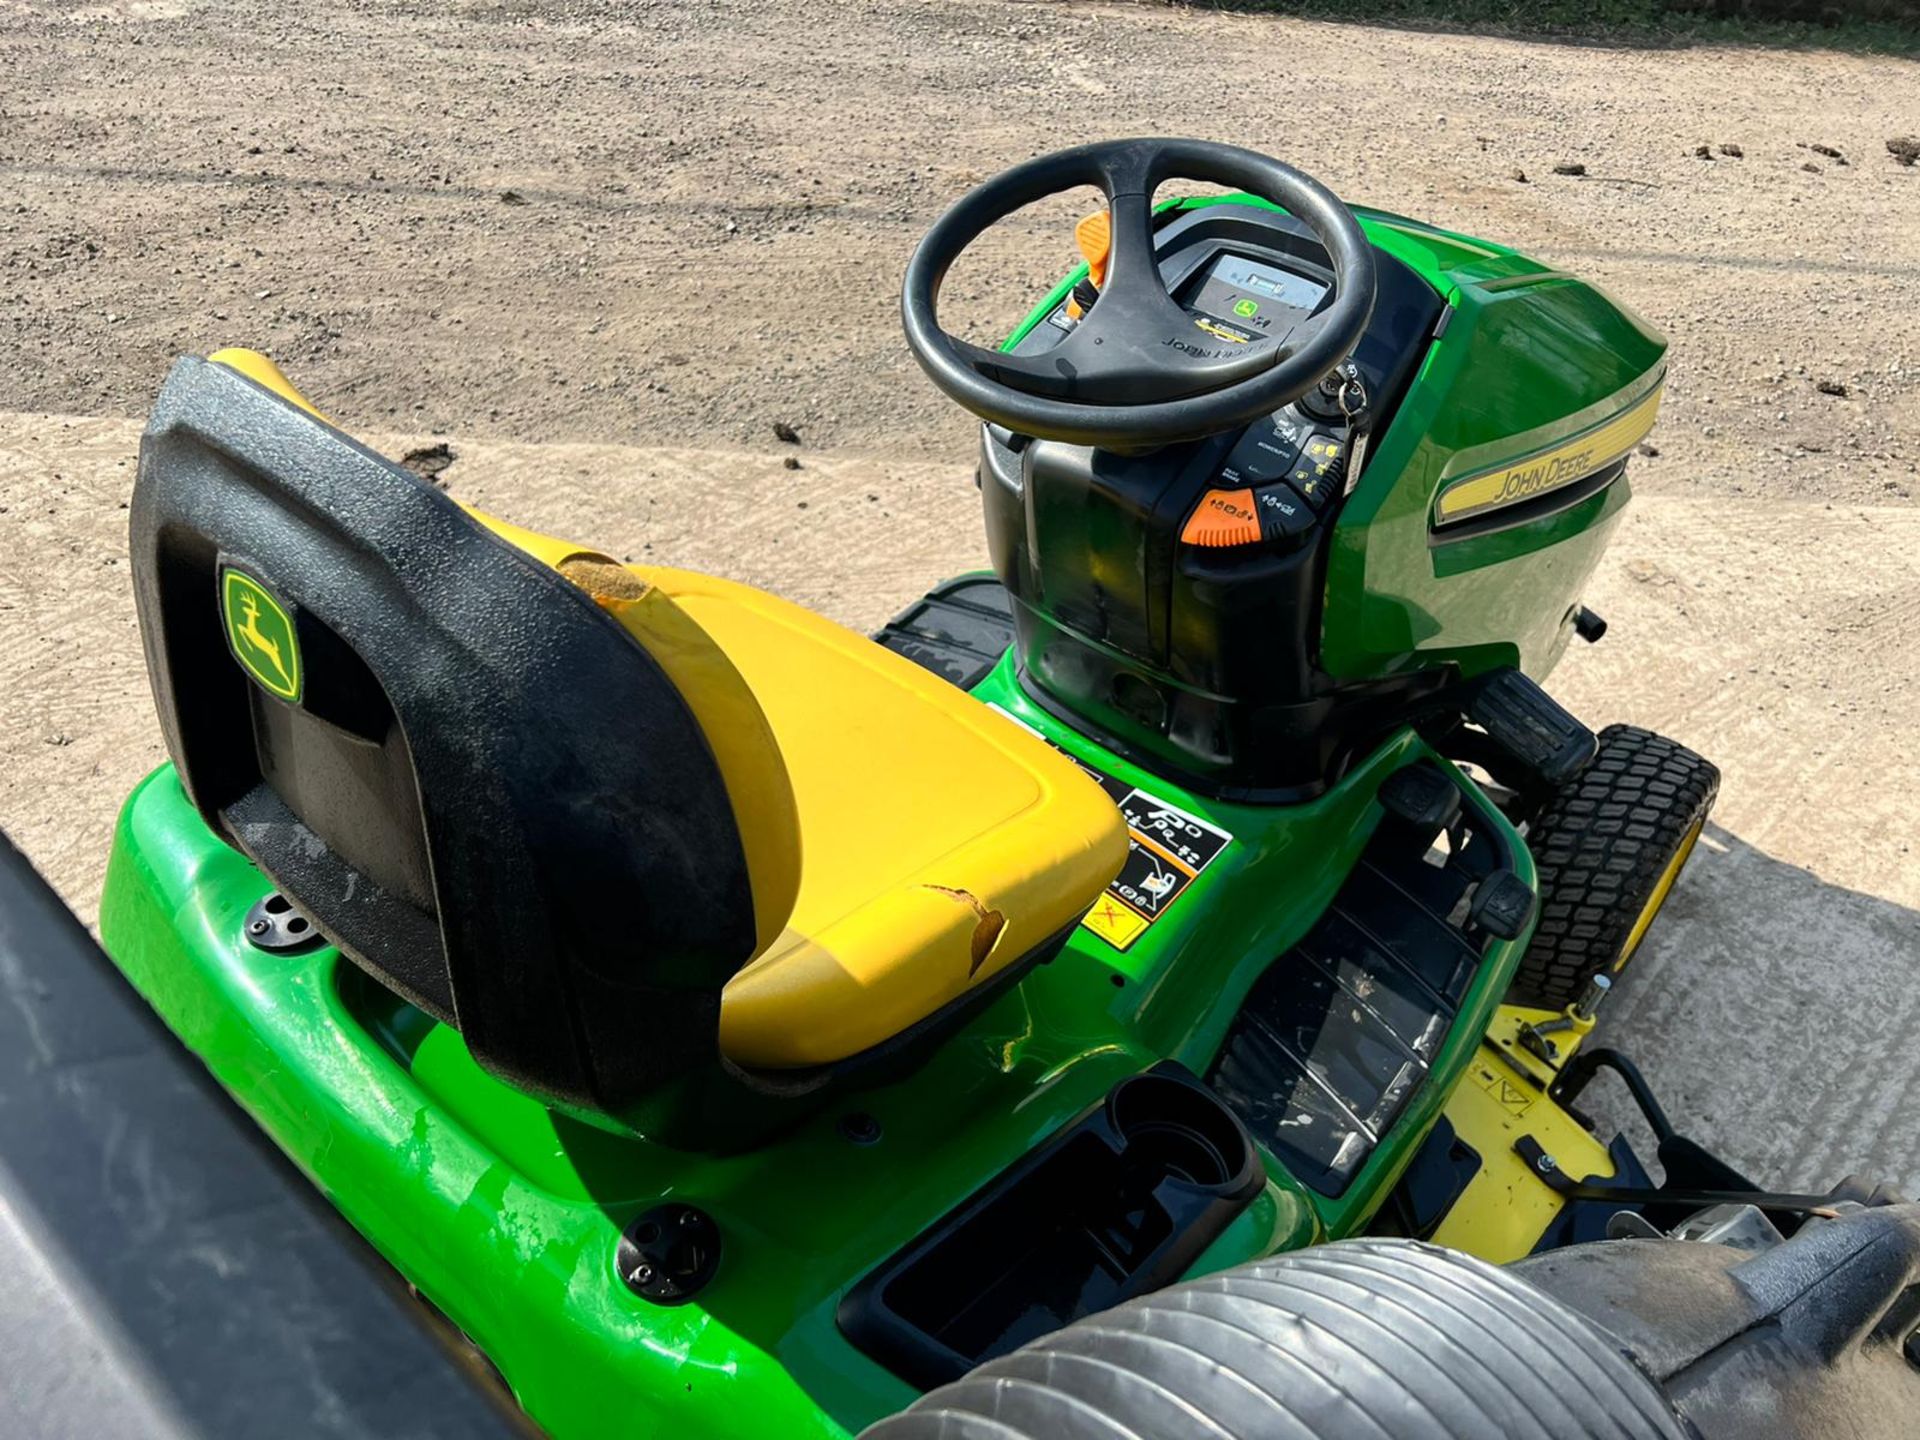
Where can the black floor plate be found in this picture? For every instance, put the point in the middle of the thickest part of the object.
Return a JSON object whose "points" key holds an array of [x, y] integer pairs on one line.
{"points": [[1337, 1036]]}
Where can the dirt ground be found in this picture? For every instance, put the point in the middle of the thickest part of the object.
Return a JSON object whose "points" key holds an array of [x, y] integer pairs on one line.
{"points": [[674, 223], [601, 248]]}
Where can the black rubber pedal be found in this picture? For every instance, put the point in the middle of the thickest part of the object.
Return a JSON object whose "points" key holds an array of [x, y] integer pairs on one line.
{"points": [[1531, 726], [1502, 905], [1422, 799], [958, 630]]}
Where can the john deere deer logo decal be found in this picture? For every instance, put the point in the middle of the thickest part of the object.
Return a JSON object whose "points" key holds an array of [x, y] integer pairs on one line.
{"points": [[260, 634]]}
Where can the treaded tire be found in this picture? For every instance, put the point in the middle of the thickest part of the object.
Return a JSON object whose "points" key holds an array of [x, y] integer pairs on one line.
{"points": [[1383, 1339], [1602, 846]]}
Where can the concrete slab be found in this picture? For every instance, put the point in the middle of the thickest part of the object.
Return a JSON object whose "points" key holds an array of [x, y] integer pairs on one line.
{"points": [[1773, 1006]]}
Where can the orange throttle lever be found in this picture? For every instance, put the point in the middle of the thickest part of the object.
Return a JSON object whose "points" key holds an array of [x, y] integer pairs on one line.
{"points": [[1094, 236]]}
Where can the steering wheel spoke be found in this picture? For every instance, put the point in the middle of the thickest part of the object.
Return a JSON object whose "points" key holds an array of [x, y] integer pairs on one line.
{"points": [[1130, 260], [1097, 355], [1007, 368], [1126, 167]]}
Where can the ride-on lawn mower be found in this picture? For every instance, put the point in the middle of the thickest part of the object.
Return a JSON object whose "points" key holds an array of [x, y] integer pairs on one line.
{"points": [[736, 1026]]}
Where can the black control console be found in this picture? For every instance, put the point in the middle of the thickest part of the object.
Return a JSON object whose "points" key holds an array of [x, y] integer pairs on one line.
{"points": [[1290, 447], [1283, 475], [1171, 598]]}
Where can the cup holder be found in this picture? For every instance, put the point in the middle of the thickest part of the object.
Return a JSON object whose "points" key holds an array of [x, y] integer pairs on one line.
{"points": [[1173, 1126], [1118, 1203]]}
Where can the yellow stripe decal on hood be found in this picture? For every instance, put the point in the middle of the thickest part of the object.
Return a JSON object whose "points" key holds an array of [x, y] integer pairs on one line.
{"points": [[1551, 469]]}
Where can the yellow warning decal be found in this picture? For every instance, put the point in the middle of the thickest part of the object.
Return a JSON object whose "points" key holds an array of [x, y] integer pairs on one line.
{"points": [[1563, 465], [1223, 332], [1166, 850], [1117, 924], [1514, 1099]]}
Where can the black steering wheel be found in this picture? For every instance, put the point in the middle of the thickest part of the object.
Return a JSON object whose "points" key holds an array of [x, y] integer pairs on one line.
{"points": [[1136, 371]]}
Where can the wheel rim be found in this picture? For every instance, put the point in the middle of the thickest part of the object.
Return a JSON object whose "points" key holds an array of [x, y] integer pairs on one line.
{"points": [[1658, 899]]}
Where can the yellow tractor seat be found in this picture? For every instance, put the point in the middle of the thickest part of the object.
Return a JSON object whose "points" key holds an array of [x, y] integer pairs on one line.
{"points": [[905, 844], [939, 842]]}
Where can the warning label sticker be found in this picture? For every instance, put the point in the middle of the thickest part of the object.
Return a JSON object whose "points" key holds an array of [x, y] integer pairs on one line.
{"points": [[1512, 1098], [1167, 849]]}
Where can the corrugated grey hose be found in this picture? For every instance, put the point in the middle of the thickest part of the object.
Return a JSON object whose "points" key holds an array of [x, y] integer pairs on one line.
{"points": [[1359, 1340]]}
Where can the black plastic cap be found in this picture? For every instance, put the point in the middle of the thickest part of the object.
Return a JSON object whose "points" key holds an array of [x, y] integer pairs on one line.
{"points": [[1421, 798], [1503, 905], [668, 1254]]}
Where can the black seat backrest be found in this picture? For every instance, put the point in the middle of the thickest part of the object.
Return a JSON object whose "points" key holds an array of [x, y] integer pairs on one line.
{"points": [[475, 782]]}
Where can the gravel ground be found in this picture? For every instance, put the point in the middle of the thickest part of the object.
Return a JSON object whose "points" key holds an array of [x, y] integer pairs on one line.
{"points": [[668, 223]]}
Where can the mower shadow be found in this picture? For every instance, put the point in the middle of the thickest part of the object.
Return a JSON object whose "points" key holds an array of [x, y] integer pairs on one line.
{"points": [[1776, 1016], [1620, 25]]}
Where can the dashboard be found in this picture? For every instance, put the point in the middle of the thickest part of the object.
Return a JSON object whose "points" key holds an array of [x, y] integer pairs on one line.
{"points": [[1251, 298], [1243, 274], [1171, 597]]}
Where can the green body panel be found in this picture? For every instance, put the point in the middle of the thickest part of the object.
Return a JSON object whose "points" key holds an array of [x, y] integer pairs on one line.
{"points": [[506, 1215], [1530, 358]]}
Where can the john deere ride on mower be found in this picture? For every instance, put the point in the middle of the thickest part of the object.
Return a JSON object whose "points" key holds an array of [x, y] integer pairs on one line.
{"points": [[737, 1026]]}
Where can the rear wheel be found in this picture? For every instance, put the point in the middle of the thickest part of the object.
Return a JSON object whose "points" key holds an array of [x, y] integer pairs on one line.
{"points": [[1609, 846], [1390, 1339]]}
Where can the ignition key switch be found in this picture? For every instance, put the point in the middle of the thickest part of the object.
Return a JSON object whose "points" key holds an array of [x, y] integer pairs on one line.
{"points": [[1341, 396]]}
